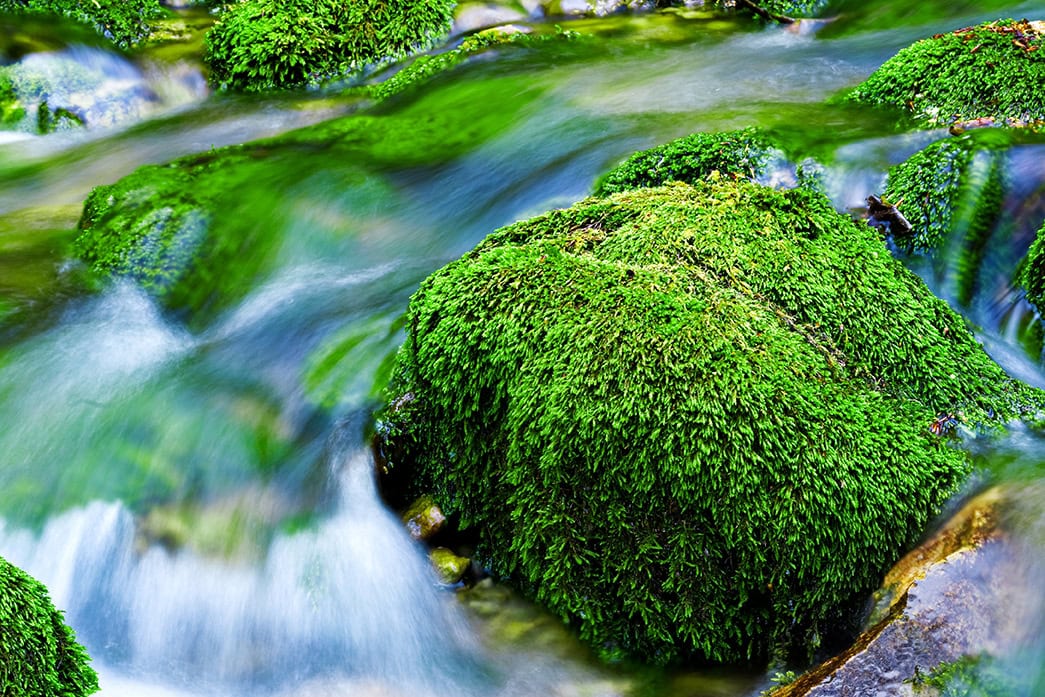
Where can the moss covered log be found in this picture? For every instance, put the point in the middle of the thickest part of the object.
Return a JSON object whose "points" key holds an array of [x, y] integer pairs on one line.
{"points": [[992, 71], [39, 656], [693, 421], [273, 44]]}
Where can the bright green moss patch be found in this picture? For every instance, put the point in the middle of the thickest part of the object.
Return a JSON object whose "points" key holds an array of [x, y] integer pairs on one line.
{"points": [[124, 22], [994, 71], [1032, 271], [745, 153], [271, 44], [693, 421], [39, 656]]}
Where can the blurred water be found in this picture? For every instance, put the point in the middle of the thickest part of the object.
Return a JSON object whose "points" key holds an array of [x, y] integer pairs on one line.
{"points": [[120, 423]]}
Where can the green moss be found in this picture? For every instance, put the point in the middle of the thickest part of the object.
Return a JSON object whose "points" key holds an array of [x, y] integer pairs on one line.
{"points": [[1031, 275], [39, 656], [11, 109], [745, 153], [124, 22], [156, 227], [971, 676], [271, 44], [693, 421], [994, 71]]}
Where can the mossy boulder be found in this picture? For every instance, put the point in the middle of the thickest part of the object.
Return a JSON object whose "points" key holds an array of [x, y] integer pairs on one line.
{"points": [[745, 153], [991, 71], [124, 22], [39, 656], [271, 44], [694, 421]]}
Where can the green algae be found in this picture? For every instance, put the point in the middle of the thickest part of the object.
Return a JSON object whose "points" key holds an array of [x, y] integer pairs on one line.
{"points": [[261, 45], [692, 421], [39, 655], [991, 71]]}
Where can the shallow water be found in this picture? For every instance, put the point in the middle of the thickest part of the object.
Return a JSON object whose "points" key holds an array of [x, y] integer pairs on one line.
{"points": [[198, 497]]}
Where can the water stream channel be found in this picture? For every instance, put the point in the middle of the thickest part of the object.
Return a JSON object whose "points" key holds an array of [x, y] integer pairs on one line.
{"points": [[199, 497]]}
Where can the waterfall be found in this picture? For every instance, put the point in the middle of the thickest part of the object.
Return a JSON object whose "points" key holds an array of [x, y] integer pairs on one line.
{"points": [[350, 602]]}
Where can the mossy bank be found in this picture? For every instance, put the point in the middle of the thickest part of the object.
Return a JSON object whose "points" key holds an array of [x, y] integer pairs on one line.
{"points": [[694, 421]]}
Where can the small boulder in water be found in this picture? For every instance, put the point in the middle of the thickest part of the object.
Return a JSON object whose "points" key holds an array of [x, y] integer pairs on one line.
{"points": [[423, 519], [449, 567]]}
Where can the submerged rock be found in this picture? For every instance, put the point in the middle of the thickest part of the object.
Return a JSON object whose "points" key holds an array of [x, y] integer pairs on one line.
{"points": [[959, 596], [695, 422], [991, 71], [40, 655]]}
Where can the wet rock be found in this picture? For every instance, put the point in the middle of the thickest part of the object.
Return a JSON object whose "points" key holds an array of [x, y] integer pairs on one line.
{"points": [[423, 519], [473, 16], [449, 567], [960, 594]]}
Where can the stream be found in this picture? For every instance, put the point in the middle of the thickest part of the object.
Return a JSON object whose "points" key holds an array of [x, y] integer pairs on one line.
{"points": [[199, 497]]}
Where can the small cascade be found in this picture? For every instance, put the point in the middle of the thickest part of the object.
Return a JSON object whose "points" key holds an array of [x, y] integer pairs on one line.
{"points": [[350, 602]]}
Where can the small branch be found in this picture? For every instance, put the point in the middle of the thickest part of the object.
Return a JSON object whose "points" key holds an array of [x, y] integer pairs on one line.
{"points": [[765, 14]]}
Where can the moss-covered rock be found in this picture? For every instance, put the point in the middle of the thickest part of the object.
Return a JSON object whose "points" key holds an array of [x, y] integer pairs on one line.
{"points": [[693, 421], [744, 153], [270, 44], [124, 22], [39, 656], [991, 71]]}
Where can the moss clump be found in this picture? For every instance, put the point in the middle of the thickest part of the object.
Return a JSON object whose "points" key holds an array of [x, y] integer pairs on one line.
{"points": [[745, 153], [272, 44], [1032, 272], [39, 656], [693, 421], [993, 70], [175, 230], [952, 193], [124, 22]]}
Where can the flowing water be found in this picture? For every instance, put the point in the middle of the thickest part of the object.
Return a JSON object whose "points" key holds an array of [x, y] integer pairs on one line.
{"points": [[199, 496]]}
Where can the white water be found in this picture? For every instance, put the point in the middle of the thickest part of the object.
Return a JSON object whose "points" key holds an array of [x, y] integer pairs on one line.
{"points": [[351, 602]]}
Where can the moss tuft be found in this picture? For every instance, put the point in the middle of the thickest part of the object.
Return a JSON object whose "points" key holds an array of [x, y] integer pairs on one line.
{"points": [[260, 45], [991, 71], [744, 153], [39, 656], [693, 421]]}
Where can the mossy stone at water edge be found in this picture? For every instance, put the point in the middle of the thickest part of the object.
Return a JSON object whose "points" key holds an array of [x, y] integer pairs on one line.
{"points": [[693, 421], [994, 70], [39, 656], [270, 44], [124, 22], [744, 153]]}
